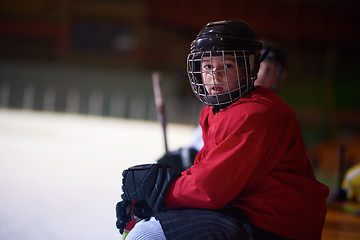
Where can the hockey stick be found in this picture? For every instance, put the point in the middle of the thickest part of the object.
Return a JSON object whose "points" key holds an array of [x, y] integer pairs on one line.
{"points": [[159, 103]]}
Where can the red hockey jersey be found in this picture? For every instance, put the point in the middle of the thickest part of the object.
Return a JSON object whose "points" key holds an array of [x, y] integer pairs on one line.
{"points": [[254, 159]]}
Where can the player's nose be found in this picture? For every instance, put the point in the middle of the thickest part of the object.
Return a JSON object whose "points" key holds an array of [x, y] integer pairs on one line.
{"points": [[217, 76]]}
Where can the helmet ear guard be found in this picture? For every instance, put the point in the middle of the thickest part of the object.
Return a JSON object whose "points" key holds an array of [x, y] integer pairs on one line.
{"points": [[227, 39]]}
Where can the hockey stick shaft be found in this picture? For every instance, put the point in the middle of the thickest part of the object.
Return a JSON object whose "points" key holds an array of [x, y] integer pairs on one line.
{"points": [[160, 103]]}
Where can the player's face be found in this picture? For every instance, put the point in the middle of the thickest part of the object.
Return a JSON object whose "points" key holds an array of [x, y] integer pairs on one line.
{"points": [[220, 74]]}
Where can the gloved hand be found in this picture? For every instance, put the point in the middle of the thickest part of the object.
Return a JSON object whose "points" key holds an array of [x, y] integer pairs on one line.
{"points": [[181, 159], [149, 183], [129, 213], [142, 210], [123, 215]]}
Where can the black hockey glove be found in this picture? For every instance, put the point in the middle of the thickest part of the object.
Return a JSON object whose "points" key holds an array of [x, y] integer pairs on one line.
{"points": [[180, 159], [142, 210], [149, 183], [127, 211], [123, 215]]}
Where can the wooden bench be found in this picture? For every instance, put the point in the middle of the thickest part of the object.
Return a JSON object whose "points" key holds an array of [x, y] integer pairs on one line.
{"points": [[342, 221]]}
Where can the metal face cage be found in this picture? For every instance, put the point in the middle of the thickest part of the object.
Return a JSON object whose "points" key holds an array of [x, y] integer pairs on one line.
{"points": [[219, 78]]}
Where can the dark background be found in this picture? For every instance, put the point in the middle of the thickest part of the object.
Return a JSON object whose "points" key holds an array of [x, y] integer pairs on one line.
{"points": [[50, 50]]}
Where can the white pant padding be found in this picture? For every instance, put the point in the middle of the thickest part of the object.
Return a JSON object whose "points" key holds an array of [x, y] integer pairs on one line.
{"points": [[145, 230]]}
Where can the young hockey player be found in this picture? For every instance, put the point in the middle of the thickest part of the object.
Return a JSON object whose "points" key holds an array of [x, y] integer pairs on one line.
{"points": [[252, 178], [273, 68], [271, 73]]}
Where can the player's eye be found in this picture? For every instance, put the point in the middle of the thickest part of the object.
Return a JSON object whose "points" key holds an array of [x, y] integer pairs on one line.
{"points": [[229, 64], [207, 67]]}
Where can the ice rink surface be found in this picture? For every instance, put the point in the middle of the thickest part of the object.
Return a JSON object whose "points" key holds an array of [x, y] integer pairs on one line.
{"points": [[60, 174]]}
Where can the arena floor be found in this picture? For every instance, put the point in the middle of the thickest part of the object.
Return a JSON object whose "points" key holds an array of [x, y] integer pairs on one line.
{"points": [[60, 174]]}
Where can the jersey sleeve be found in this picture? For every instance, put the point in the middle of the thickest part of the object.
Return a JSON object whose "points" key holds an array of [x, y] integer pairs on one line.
{"points": [[227, 171]]}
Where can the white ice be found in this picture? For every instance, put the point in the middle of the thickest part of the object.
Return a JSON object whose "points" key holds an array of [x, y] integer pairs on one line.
{"points": [[60, 174]]}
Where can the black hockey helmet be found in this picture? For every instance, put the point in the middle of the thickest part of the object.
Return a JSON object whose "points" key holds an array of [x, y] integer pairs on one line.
{"points": [[233, 38], [275, 53], [226, 35]]}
